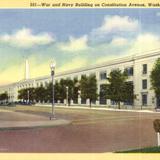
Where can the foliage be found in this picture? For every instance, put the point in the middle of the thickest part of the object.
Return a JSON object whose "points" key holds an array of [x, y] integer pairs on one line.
{"points": [[4, 96], [155, 78], [40, 94], [88, 87], [117, 88], [27, 94], [44, 94], [128, 94]]}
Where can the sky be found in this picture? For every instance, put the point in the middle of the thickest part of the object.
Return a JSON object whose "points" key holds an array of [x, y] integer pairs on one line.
{"points": [[74, 38]]}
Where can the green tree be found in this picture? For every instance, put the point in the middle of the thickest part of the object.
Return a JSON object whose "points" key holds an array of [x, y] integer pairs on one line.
{"points": [[128, 93], [22, 94], [72, 89], [49, 92], [40, 94], [27, 94], [62, 90], [70, 84], [76, 87], [88, 87], [116, 87], [155, 79], [4, 96]]}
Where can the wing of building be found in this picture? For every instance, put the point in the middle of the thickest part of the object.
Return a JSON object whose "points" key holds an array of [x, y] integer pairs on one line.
{"points": [[138, 66]]}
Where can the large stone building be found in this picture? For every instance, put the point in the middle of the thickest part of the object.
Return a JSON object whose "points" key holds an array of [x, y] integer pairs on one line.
{"points": [[139, 68]]}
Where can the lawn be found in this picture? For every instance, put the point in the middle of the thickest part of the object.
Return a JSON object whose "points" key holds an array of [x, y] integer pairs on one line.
{"points": [[143, 150]]}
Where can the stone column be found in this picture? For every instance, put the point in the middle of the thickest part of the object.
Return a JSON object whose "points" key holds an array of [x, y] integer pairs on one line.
{"points": [[71, 101], [87, 101], [79, 100], [97, 102]]}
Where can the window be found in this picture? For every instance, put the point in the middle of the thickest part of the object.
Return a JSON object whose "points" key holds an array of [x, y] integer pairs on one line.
{"points": [[129, 71], [144, 99], [103, 75], [144, 84], [144, 69]]}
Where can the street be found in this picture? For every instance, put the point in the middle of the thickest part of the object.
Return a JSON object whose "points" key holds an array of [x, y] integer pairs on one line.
{"points": [[91, 131]]}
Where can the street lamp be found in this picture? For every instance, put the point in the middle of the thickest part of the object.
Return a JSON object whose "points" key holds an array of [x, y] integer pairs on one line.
{"points": [[67, 96], [52, 66], [79, 96], [28, 96]]}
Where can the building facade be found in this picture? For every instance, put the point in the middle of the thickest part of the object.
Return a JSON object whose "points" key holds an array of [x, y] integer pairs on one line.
{"points": [[138, 67]]}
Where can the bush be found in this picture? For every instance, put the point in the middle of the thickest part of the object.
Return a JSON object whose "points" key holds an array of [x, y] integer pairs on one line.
{"points": [[156, 124]]}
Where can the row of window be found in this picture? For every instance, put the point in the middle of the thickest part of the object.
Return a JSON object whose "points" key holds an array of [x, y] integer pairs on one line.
{"points": [[102, 76], [129, 70]]}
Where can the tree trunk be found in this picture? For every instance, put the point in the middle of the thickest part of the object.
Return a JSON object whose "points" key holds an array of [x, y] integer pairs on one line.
{"points": [[69, 102], [90, 103], [119, 107]]}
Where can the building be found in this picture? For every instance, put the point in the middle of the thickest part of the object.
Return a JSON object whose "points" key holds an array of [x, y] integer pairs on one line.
{"points": [[138, 67]]}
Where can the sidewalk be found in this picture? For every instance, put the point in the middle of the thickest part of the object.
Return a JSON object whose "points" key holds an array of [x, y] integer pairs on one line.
{"points": [[16, 120], [100, 108], [29, 124]]}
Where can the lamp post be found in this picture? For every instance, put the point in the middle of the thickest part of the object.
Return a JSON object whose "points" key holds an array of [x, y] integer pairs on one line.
{"points": [[28, 96], [67, 96], [79, 96], [52, 66]]}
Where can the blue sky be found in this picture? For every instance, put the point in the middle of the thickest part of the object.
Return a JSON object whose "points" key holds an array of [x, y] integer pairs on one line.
{"points": [[73, 37]]}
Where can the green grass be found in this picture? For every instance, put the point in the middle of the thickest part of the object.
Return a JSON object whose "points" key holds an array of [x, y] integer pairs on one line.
{"points": [[143, 150]]}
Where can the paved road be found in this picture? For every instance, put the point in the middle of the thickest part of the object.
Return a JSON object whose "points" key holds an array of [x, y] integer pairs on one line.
{"points": [[90, 131]]}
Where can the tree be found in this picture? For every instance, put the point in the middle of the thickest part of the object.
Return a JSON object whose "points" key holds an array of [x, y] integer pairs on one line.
{"points": [[72, 89], [70, 84], [128, 93], [49, 92], [76, 87], [116, 87], [62, 90], [27, 94], [88, 87], [40, 94], [31, 94], [22, 94], [4, 96], [155, 79]]}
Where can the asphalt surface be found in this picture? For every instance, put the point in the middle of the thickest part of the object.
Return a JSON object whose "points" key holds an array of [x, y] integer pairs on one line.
{"points": [[90, 132]]}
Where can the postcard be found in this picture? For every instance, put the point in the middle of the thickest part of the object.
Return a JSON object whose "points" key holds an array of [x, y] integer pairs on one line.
{"points": [[79, 79]]}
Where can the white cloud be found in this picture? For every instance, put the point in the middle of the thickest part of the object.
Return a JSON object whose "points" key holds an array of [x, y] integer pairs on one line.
{"points": [[74, 44], [119, 41], [25, 38], [145, 42], [117, 24], [142, 44]]}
